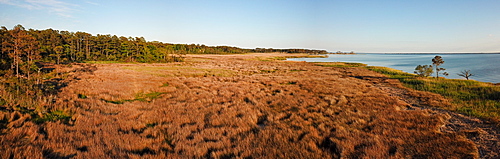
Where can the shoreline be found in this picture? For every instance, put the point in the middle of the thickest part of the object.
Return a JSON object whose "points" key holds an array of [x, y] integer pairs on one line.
{"points": [[436, 53], [404, 67], [238, 105]]}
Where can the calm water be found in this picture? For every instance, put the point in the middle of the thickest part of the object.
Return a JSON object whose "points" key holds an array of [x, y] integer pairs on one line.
{"points": [[485, 67]]}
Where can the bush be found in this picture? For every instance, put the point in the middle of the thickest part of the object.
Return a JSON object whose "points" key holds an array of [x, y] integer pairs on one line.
{"points": [[424, 70]]}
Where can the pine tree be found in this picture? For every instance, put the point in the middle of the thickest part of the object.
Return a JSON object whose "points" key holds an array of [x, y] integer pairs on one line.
{"points": [[437, 61]]}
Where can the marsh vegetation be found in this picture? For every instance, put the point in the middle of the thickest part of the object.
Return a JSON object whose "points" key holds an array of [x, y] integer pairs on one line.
{"points": [[237, 106], [470, 97], [74, 95]]}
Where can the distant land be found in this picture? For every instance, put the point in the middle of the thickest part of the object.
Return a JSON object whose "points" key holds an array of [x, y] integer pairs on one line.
{"points": [[432, 53], [57, 46]]}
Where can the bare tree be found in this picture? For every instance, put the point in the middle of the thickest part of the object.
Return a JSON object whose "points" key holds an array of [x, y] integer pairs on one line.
{"points": [[16, 47], [466, 74]]}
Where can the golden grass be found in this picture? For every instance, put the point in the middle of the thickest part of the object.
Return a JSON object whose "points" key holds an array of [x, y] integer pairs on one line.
{"points": [[298, 110], [284, 57], [187, 71], [470, 97]]}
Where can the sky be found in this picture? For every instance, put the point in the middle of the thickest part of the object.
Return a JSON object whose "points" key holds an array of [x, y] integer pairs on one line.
{"points": [[370, 26]]}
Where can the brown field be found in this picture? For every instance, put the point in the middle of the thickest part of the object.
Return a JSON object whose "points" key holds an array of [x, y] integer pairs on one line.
{"points": [[244, 106]]}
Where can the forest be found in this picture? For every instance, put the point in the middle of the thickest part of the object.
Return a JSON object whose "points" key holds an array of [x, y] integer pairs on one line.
{"points": [[27, 57], [21, 48]]}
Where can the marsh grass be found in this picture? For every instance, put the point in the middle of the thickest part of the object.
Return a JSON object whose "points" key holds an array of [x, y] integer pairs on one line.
{"points": [[470, 97], [339, 64], [142, 97], [34, 100], [146, 97], [181, 71], [271, 58], [285, 57], [165, 85], [82, 96], [116, 101], [318, 113], [53, 116], [297, 70], [268, 71], [107, 62]]}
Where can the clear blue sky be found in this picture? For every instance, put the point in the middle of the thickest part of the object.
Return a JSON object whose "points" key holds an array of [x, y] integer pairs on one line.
{"points": [[347, 25]]}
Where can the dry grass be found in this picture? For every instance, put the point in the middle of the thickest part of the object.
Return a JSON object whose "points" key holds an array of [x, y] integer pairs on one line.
{"points": [[297, 110]]}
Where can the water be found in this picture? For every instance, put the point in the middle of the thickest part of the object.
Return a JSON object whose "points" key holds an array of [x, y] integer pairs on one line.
{"points": [[485, 67]]}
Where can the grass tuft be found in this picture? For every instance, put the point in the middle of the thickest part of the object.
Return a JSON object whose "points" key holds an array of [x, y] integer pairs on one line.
{"points": [[181, 71], [53, 116], [105, 62], [2, 102], [165, 85], [82, 96], [115, 101], [268, 71], [150, 125], [138, 97], [147, 97]]}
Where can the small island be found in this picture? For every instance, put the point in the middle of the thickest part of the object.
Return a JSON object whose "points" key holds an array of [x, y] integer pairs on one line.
{"points": [[345, 53]]}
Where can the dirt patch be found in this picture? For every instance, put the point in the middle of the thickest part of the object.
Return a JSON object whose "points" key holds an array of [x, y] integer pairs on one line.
{"points": [[240, 106]]}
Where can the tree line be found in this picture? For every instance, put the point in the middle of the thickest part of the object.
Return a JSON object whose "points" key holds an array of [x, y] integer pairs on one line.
{"points": [[306, 51], [21, 48], [26, 87]]}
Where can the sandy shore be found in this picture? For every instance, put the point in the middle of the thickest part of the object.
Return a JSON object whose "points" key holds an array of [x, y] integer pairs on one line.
{"points": [[247, 106]]}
